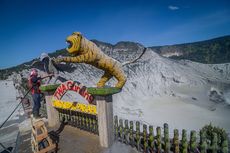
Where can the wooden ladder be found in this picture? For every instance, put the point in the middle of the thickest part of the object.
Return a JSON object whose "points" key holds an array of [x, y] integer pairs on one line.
{"points": [[40, 140]]}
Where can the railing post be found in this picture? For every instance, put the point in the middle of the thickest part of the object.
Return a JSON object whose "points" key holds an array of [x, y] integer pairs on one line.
{"points": [[159, 140], [116, 128], [52, 113], [104, 101], [145, 138], [166, 138], [203, 143], [151, 139], [214, 146], [184, 141], [131, 133], [176, 141], [224, 145], [138, 136], [126, 132], [193, 145]]}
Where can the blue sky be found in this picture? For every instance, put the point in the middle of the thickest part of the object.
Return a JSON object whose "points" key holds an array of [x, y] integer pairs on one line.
{"points": [[30, 27]]}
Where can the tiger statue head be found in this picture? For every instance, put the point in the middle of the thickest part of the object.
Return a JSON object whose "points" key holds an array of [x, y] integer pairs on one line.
{"points": [[74, 42]]}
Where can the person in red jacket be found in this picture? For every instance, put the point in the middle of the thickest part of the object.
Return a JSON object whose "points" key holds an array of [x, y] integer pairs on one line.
{"points": [[34, 83]]}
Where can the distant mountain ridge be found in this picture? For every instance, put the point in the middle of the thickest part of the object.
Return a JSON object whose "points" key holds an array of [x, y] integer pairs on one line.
{"points": [[213, 51], [210, 51]]}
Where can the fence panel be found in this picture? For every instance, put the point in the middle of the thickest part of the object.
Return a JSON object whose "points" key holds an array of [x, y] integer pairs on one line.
{"points": [[81, 120], [145, 140]]}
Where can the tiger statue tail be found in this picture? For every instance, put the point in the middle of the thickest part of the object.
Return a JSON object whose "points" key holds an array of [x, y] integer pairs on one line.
{"points": [[134, 60], [117, 71]]}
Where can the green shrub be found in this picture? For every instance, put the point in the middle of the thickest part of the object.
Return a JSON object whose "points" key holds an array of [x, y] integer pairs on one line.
{"points": [[210, 130]]}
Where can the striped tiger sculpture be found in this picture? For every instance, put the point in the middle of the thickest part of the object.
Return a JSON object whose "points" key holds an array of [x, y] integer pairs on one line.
{"points": [[85, 51]]}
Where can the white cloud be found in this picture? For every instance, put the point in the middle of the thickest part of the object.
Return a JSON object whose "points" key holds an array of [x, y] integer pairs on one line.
{"points": [[171, 7]]}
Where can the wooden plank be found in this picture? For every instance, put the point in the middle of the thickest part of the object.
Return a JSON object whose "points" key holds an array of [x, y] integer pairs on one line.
{"points": [[50, 148], [38, 123]]}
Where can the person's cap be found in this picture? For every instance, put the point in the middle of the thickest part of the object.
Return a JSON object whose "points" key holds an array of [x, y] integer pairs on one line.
{"points": [[43, 55]]}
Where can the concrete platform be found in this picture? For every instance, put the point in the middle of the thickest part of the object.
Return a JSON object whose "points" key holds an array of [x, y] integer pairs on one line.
{"points": [[25, 144], [78, 141], [74, 140]]}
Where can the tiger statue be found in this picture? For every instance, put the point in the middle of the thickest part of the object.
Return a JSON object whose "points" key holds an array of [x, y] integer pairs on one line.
{"points": [[85, 51]]}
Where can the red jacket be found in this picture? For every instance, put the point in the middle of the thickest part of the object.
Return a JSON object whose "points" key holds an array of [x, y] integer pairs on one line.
{"points": [[34, 83]]}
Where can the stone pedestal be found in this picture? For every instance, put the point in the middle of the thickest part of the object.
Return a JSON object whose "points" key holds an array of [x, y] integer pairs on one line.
{"points": [[103, 97], [105, 120], [52, 113]]}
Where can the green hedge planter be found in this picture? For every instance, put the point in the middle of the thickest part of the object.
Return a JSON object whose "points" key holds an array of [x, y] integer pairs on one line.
{"points": [[48, 88], [92, 90], [103, 91]]}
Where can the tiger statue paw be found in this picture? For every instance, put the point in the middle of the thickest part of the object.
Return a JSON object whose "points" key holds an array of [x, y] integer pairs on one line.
{"points": [[57, 60]]}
